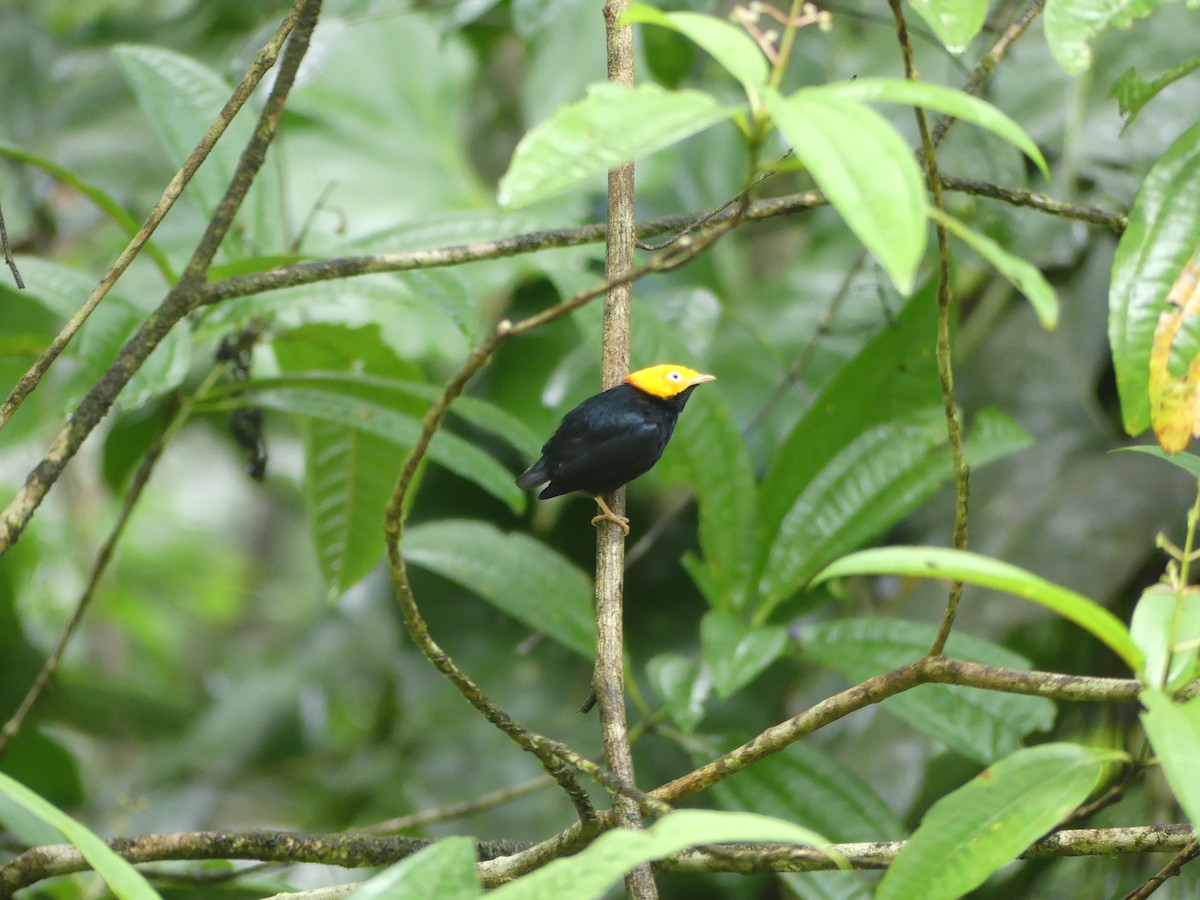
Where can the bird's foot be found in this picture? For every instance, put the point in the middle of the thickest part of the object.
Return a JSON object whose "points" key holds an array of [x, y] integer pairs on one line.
{"points": [[609, 516]]}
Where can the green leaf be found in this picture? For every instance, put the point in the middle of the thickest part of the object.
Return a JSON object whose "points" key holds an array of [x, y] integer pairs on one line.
{"points": [[348, 477], [993, 436], [973, 568], [442, 871], [516, 574], [806, 785], [180, 98], [738, 652], [809, 786], [955, 22], [729, 45], [400, 392], [1023, 274], [123, 879], [446, 449], [1133, 92], [707, 440], [867, 171], [1189, 462], [683, 686], [1166, 628], [103, 200], [62, 291], [1162, 235], [1070, 26], [946, 100], [613, 126], [883, 474], [591, 872], [978, 724], [973, 831], [897, 368], [1174, 732]]}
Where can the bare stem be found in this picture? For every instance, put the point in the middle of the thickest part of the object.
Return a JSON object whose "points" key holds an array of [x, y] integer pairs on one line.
{"points": [[962, 474]]}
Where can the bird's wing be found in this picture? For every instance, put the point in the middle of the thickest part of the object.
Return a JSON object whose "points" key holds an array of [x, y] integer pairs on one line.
{"points": [[601, 446]]}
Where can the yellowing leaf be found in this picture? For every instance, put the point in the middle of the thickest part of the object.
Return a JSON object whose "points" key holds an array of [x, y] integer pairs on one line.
{"points": [[1175, 402]]}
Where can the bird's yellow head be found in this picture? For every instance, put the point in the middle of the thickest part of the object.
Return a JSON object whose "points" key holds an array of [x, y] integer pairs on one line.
{"points": [[666, 380]]}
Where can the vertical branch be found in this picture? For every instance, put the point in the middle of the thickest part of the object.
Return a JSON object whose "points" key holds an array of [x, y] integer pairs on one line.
{"points": [[609, 678], [962, 473]]}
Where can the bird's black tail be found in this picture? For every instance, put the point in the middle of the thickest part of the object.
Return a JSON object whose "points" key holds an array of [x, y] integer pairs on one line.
{"points": [[534, 475]]}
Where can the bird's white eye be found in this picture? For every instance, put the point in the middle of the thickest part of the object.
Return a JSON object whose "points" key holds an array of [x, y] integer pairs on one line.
{"points": [[673, 375]]}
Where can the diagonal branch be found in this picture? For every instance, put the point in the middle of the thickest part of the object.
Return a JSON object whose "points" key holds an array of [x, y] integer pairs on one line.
{"points": [[945, 367], [178, 302], [258, 68]]}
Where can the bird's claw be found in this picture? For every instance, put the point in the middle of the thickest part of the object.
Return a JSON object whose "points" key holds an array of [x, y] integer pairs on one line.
{"points": [[620, 521]]}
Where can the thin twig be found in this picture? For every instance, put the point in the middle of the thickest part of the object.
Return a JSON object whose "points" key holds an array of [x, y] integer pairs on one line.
{"points": [[984, 68], [1170, 870], [258, 68], [457, 810], [1113, 221], [181, 299], [12, 263], [943, 353], [360, 851]]}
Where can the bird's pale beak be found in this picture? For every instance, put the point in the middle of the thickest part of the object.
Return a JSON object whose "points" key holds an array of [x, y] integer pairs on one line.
{"points": [[700, 379]]}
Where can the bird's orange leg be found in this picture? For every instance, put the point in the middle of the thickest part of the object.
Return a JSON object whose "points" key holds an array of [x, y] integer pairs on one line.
{"points": [[609, 516]]}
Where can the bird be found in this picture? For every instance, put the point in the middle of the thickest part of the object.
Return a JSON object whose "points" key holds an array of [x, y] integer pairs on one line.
{"points": [[610, 439]]}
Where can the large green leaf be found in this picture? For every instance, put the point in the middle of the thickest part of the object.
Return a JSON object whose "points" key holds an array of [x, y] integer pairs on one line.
{"points": [[896, 369], [955, 22], [708, 454], [62, 291], [729, 45], [874, 481], [516, 574], [402, 392], [442, 871], [1162, 235], [809, 786], [399, 428], [981, 725], [1174, 733], [736, 651], [590, 873], [973, 568], [946, 100], [349, 476], [866, 169], [1071, 25], [123, 879], [180, 98], [613, 126], [1023, 275], [973, 831]]}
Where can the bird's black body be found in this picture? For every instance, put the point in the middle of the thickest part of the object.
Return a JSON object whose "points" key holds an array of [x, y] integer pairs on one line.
{"points": [[606, 442]]}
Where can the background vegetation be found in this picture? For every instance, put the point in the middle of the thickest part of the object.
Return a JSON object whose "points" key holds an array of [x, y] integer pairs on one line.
{"points": [[243, 664]]}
